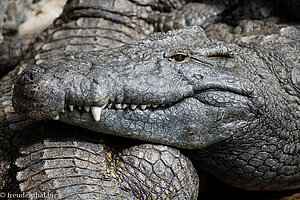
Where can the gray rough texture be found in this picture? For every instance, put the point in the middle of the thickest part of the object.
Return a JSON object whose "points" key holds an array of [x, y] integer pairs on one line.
{"points": [[234, 103], [218, 94], [74, 169], [36, 157]]}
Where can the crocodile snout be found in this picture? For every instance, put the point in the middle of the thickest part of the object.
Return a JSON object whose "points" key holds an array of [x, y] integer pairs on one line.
{"points": [[36, 96], [44, 91]]}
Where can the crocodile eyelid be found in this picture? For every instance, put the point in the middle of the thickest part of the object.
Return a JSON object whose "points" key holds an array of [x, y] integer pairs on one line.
{"points": [[203, 62]]}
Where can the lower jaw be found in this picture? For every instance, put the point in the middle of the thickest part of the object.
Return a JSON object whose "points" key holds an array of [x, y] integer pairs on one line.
{"points": [[167, 125]]}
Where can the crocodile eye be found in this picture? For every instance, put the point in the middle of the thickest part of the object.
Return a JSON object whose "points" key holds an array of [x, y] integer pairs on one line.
{"points": [[179, 57]]}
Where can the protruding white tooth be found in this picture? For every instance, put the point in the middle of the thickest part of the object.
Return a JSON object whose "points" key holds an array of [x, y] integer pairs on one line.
{"points": [[87, 108], [96, 112], [71, 107], [124, 106], [63, 110], [154, 105], [163, 105], [109, 105], [133, 107], [118, 106], [79, 107], [56, 118], [143, 107]]}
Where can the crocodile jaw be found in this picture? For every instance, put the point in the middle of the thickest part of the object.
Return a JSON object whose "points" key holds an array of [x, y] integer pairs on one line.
{"points": [[185, 124]]}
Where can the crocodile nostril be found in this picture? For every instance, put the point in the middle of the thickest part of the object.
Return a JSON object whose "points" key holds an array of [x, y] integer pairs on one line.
{"points": [[32, 75]]}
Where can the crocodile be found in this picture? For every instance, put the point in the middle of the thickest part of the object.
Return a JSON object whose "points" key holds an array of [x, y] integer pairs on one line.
{"points": [[158, 90], [191, 93]]}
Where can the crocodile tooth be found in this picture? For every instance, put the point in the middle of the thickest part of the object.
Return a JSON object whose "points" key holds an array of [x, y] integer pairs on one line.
{"points": [[118, 106], [143, 107], [56, 118], [96, 112], [71, 107], [63, 110], [133, 107], [37, 57], [109, 105], [38, 62], [79, 107], [87, 108], [154, 105], [163, 105], [124, 106]]}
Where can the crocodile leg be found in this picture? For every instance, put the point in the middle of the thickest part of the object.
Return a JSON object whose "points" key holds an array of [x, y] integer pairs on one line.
{"points": [[76, 169]]}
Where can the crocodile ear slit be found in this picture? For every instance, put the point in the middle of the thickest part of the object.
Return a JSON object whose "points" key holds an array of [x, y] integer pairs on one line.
{"points": [[220, 51]]}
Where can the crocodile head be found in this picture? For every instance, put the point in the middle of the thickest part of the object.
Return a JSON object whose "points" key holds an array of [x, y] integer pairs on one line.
{"points": [[177, 88]]}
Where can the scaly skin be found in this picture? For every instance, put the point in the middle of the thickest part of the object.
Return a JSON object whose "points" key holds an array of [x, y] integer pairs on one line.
{"points": [[242, 159], [73, 170], [214, 93], [93, 25]]}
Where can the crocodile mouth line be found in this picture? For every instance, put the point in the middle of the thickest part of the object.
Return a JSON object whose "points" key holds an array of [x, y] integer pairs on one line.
{"points": [[96, 110]]}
